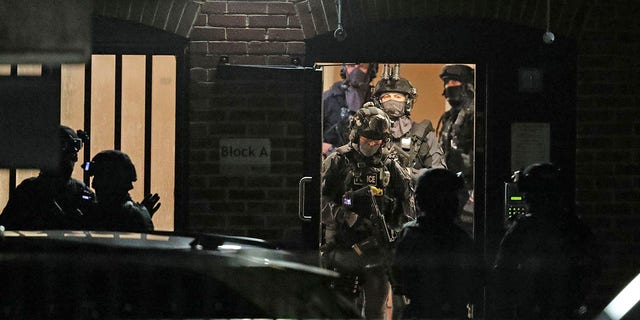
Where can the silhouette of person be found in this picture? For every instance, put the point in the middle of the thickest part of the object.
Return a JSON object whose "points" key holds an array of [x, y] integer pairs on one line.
{"points": [[52, 200], [547, 259], [113, 174], [455, 127], [359, 224], [434, 265], [342, 100]]}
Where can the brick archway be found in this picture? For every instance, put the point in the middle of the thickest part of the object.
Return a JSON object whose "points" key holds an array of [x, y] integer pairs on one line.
{"points": [[176, 16], [567, 17]]}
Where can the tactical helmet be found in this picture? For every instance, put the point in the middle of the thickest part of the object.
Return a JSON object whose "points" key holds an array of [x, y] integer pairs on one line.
{"points": [[392, 82], [369, 122], [541, 177], [458, 72], [437, 192], [439, 180], [112, 162]]}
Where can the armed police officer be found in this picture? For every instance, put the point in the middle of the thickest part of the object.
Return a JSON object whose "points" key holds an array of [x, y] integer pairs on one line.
{"points": [[343, 99], [113, 173], [414, 143], [366, 198], [53, 199], [456, 129]]}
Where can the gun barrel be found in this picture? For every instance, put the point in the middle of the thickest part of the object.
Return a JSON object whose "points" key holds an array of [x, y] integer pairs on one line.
{"points": [[379, 217]]}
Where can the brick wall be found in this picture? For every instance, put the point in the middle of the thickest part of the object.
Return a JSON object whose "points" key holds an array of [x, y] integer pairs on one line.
{"points": [[246, 33], [608, 136], [260, 204], [273, 32]]}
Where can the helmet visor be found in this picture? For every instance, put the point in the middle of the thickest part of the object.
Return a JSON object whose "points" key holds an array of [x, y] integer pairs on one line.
{"points": [[371, 135], [370, 142]]}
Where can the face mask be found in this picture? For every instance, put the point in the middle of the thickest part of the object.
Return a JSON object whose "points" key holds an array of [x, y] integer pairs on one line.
{"points": [[357, 90], [368, 150], [400, 127], [453, 95], [394, 109]]}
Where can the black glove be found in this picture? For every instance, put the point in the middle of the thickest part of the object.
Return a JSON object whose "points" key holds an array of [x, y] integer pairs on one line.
{"points": [[359, 201]]}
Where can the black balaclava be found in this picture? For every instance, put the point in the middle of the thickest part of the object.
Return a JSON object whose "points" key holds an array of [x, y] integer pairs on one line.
{"points": [[357, 88], [455, 95]]}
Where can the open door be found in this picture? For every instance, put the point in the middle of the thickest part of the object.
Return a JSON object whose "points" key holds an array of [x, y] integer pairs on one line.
{"points": [[279, 144], [525, 88]]}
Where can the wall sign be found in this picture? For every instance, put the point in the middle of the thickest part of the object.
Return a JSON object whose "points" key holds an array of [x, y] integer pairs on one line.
{"points": [[245, 156], [530, 143]]}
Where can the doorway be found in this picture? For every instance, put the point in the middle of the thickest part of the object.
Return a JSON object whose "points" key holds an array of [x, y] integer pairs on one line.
{"points": [[428, 106], [505, 56]]}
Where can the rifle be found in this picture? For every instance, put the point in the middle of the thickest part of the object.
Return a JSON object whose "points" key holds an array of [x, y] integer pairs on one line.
{"points": [[363, 202]]}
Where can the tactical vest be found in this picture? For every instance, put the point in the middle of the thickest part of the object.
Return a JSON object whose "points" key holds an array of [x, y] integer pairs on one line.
{"points": [[408, 147], [456, 129], [362, 171]]}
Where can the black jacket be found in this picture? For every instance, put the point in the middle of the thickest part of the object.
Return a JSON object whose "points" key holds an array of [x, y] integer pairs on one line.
{"points": [[545, 267], [125, 215], [434, 266], [336, 116], [43, 202]]}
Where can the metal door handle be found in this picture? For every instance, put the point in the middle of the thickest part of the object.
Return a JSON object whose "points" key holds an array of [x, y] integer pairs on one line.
{"points": [[301, 197]]}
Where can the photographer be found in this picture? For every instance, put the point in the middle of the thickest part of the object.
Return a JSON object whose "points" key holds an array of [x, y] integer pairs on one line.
{"points": [[366, 197]]}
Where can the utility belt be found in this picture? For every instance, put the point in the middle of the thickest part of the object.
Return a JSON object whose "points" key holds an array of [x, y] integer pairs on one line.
{"points": [[354, 259]]}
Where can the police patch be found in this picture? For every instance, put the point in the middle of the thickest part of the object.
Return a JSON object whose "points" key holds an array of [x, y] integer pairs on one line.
{"points": [[369, 179]]}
